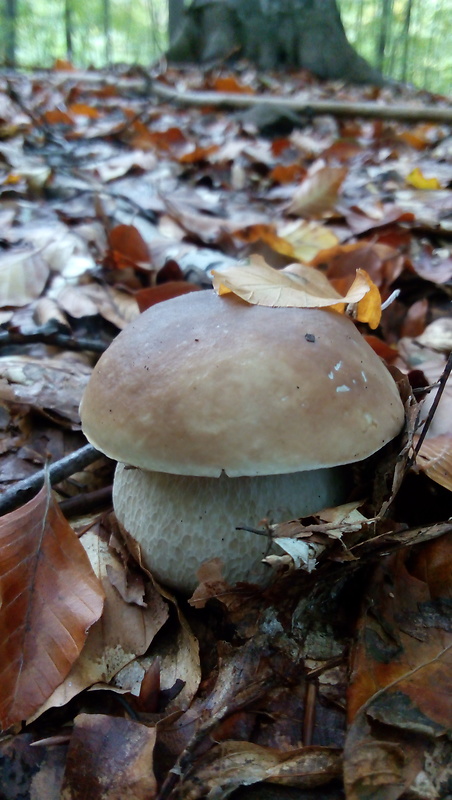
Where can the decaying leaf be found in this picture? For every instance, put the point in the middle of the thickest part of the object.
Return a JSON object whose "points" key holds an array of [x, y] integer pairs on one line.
{"points": [[297, 286], [229, 765], [23, 274], [402, 669], [124, 632], [109, 758], [435, 459], [318, 193], [50, 598]]}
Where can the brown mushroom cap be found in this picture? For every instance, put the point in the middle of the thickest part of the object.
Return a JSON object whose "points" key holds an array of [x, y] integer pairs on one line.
{"points": [[201, 384]]}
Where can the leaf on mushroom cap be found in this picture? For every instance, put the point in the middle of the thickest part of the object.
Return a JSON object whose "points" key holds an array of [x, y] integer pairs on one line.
{"points": [[200, 384], [298, 286]]}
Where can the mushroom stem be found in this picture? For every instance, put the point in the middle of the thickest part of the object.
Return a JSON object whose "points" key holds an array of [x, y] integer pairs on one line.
{"points": [[181, 521]]}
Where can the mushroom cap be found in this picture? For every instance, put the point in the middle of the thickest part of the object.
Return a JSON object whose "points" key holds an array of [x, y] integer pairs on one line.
{"points": [[202, 384]]}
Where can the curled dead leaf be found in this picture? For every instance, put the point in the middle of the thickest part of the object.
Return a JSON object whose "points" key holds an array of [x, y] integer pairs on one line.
{"points": [[50, 598], [298, 286]]}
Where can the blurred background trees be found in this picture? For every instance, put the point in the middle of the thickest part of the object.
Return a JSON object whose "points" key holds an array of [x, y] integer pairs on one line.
{"points": [[408, 40]]}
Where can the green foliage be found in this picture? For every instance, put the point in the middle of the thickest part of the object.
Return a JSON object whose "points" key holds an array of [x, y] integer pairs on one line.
{"points": [[137, 31], [138, 34], [429, 59]]}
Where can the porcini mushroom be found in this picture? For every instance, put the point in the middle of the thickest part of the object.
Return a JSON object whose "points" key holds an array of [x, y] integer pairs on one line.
{"points": [[222, 414]]}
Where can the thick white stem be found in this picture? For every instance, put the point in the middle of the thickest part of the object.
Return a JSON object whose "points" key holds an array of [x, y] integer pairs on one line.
{"points": [[181, 521]]}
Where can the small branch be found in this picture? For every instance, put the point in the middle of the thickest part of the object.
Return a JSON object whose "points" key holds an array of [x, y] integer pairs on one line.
{"points": [[63, 340], [441, 386], [24, 490], [309, 107]]}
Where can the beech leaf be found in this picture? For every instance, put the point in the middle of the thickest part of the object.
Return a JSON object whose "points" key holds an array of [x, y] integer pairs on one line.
{"points": [[50, 598], [318, 194], [297, 286]]}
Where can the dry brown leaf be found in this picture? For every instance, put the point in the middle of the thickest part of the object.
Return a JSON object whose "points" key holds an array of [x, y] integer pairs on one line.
{"points": [[50, 598], [109, 758], [437, 335], [296, 286], [229, 765], [318, 194], [52, 385], [23, 275], [435, 459], [124, 632]]}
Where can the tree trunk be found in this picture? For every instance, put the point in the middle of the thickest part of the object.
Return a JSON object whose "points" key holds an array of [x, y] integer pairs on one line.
{"points": [[107, 29], [10, 38], [175, 17], [386, 14], [306, 34], [68, 29], [406, 39]]}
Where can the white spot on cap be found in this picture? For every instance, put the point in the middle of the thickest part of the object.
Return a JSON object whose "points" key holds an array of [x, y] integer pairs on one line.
{"points": [[331, 375], [364, 376], [343, 388], [338, 365]]}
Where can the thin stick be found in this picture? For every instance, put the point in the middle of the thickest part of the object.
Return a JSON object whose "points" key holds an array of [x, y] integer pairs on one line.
{"points": [[441, 386], [64, 340], [23, 490], [302, 104]]}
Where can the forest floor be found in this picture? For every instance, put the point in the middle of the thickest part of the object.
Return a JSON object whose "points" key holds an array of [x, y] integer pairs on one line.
{"points": [[334, 680]]}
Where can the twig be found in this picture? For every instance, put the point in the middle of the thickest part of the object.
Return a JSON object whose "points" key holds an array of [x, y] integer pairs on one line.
{"points": [[63, 340], [86, 502], [441, 386], [23, 490], [303, 105]]}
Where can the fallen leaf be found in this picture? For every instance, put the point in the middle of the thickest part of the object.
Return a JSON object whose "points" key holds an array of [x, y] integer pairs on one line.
{"points": [[109, 758], [50, 598], [307, 239], [435, 459], [124, 632], [229, 765], [437, 335], [318, 194], [23, 275], [127, 248], [296, 286], [419, 181]]}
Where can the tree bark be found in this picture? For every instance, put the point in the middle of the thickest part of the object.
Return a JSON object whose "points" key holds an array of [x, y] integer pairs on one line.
{"points": [[10, 38], [175, 17], [272, 34], [106, 8], [68, 29]]}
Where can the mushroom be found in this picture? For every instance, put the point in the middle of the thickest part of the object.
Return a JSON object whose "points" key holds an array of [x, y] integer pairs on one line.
{"points": [[222, 413]]}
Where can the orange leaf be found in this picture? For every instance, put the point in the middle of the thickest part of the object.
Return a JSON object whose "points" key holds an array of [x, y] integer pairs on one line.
{"points": [[56, 116], [83, 110], [164, 291], [229, 83], [128, 248], [50, 598]]}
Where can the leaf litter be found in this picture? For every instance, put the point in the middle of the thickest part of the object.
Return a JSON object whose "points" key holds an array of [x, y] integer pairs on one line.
{"points": [[337, 674]]}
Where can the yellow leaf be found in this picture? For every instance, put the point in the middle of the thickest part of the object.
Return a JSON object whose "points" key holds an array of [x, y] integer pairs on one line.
{"points": [[296, 286], [417, 179], [306, 239], [369, 308]]}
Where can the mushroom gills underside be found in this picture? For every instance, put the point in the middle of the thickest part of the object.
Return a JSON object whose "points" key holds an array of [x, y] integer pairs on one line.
{"points": [[181, 521]]}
